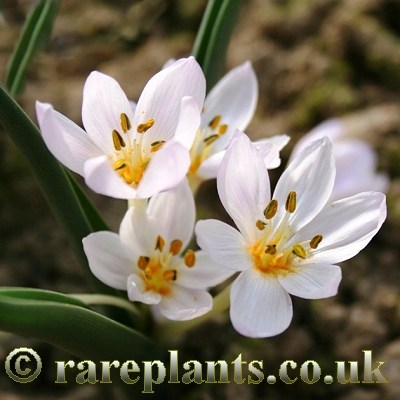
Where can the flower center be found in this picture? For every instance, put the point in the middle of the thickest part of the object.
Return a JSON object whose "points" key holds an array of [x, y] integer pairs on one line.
{"points": [[160, 270], [130, 159], [202, 145], [270, 253]]}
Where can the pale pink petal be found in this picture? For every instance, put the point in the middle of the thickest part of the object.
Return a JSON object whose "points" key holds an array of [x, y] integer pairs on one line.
{"points": [[184, 304], [209, 168], [161, 97], [189, 122], [103, 103], [137, 291], [260, 307], [166, 169], [175, 213], [102, 179], [108, 259], [204, 274], [346, 226], [270, 148], [69, 143], [311, 175], [223, 244], [312, 281], [243, 185]]}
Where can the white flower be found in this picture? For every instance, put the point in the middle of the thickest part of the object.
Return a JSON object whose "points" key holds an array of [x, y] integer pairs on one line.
{"points": [[286, 245], [145, 258], [356, 161], [130, 151], [230, 105]]}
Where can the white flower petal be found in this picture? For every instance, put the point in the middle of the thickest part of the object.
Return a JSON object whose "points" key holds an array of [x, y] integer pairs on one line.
{"points": [[260, 307], [209, 168], [347, 226], [102, 179], [161, 97], [103, 103], [189, 122], [311, 175], [175, 213], [108, 259], [269, 149], [243, 185], [69, 143], [184, 304], [223, 244], [234, 97], [312, 281], [204, 274], [166, 169], [137, 291]]}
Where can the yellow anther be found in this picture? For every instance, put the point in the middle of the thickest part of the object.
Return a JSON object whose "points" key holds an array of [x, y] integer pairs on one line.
{"points": [[222, 129], [210, 139], [157, 145], [270, 249], [145, 126], [125, 123], [170, 275], [315, 241], [160, 243], [117, 140], [189, 258], [213, 124], [119, 164], [291, 202], [143, 262], [260, 224], [175, 247], [299, 251], [271, 209]]}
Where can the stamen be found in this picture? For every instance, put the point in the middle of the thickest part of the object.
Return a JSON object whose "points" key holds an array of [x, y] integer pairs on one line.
{"points": [[119, 164], [157, 145], [315, 241], [145, 126], [170, 275], [125, 123], [189, 258], [160, 243], [142, 262], [270, 249], [210, 139], [299, 251], [271, 209], [175, 247], [117, 140], [213, 124], [222, 129], [127, 175], [291, 202], [260, 224]]}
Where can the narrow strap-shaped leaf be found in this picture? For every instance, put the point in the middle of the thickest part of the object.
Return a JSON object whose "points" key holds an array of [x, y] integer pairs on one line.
{"points": [[35, 33], [213, 37], [64, 323]]}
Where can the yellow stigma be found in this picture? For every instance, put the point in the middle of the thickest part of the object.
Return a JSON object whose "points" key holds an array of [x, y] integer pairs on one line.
{"points": [[117, 140], [145, 126], [160, 243], [213, 124], [291, 202], [299, 251], [175, 247], [271, 209], [189, 258], [125, 123], [315, 241]]}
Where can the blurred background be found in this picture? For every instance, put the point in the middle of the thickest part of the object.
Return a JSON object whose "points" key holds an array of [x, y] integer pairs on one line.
{"points": [[314, 59]]}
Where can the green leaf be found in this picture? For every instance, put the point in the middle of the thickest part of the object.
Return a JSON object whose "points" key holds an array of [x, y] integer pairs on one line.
{"points": [[213, 37], [67, 323], [36, 31]]}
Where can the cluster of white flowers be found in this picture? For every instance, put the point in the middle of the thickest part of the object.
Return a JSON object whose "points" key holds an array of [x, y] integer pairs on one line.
{"points": [[158, 151]]}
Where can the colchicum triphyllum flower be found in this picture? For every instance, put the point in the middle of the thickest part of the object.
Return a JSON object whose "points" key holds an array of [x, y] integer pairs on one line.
{"points": [[130, 151], [230, 105], [148, 260], [287, 244]]}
